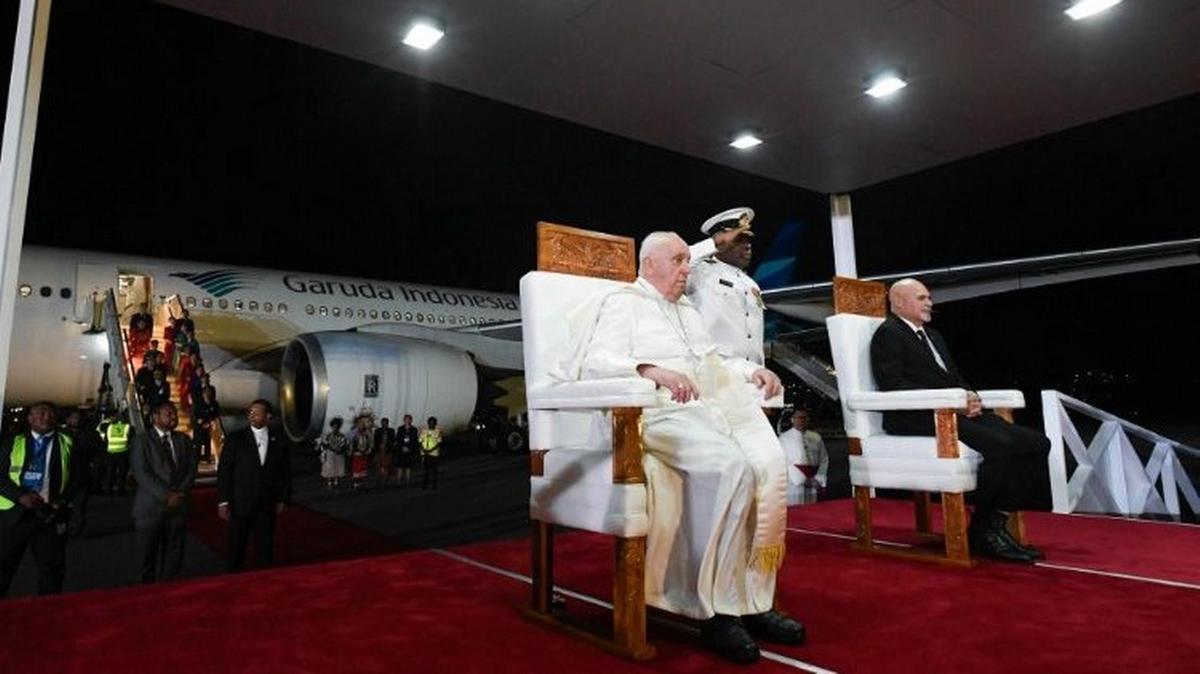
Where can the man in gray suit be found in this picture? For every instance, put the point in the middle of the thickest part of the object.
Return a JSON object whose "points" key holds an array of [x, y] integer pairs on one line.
{"points": [[164, 464]]}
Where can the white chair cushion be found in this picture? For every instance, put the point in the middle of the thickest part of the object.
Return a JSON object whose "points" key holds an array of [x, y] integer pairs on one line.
{"points": [[576, 489], [911, 462], [850, 342]]}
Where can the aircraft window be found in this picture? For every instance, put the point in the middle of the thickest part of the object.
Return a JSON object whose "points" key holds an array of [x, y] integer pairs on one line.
{"points": [[267, 307], [222, 303], [337, 311], [281, 308], [374, 314], [429, 317], [239, 305], [420, 318], [349, 312], [25, 290], [310, 310], [452, 320], [474, 320], [387, 315], [408, 315], [324, 310], [45, 291], [191, 302], [64, 293], [462, 320], [253, 305], [441, 318], [362, 313], [206, 302]]}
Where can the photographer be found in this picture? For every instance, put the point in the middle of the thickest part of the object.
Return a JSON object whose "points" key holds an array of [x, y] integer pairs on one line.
{"points": [[39, 475]]}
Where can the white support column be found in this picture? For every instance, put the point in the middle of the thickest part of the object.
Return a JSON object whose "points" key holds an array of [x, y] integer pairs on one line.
{"points": [[844, 261], [1057, 461], [16, 157]]}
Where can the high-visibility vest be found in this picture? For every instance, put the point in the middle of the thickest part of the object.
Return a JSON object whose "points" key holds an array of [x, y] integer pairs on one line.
{"points": [[117, 435], [430, 439], [17, 463]]}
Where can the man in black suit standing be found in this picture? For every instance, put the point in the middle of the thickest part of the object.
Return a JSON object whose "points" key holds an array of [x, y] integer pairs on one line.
{"points": [[254, 483], [164, 464], [907, 354], [39, 477]]}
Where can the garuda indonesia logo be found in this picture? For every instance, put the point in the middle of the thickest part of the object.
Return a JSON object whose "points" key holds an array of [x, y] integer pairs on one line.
{"points": [[220, 282]]}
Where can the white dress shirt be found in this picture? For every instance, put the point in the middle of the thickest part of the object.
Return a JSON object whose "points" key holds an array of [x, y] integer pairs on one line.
{"points": [[261, 438], [920, 331]]}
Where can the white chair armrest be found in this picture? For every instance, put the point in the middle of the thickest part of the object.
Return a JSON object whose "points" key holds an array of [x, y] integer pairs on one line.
{"points": [[915, 399], [593, 394], [757, 394], [1002, 398]]}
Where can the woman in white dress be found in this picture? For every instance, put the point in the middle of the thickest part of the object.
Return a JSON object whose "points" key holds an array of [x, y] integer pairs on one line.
{"points": [[334, 446]]}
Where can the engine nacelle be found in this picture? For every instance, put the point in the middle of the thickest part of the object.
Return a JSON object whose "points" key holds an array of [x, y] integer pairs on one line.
{"points": [[334, 374]]}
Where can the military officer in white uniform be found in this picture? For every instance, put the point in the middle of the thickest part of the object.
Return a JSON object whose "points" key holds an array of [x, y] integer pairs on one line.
{"points": [[729, 301]]}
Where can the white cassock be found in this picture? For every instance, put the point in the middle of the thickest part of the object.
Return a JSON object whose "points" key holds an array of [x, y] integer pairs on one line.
{"points": [[804, 449], [715, 473], [729, 301]]}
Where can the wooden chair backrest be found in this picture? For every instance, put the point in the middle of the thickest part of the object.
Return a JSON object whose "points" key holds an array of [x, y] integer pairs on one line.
{"points": [[570, 250]]}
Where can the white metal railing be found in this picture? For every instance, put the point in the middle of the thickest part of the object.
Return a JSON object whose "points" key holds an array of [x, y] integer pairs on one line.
{"points": [[1109, 476]]}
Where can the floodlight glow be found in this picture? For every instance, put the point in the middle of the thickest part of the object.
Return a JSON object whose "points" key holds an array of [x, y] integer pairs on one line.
{"points": [[745, 141], [1086, 8], [885, 85], [423, 35]]}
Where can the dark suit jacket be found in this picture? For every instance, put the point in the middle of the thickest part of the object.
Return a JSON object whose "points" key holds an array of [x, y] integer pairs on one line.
{"points": [[245, 484], [901, 361], [152, 470], [59, 492]]}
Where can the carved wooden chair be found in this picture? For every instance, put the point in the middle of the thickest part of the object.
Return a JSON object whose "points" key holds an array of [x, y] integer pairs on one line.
{"points": [[921, 464], [586, 459]]}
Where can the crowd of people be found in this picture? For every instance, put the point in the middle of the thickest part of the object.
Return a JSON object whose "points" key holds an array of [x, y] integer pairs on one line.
{"points": [[390, 454], [179, 355]]}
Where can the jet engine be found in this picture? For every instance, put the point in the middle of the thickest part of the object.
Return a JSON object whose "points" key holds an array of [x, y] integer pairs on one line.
{"points": [[341, 374]]}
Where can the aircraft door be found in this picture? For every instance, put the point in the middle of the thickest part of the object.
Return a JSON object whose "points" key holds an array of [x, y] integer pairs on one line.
{"points": [[133, 292], [92, 281]]}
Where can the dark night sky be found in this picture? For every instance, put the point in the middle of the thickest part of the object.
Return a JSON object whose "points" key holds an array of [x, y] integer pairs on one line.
{"points": [[166, 133]]}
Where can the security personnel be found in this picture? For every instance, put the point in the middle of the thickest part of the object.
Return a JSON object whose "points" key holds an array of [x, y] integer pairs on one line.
{"points": [[728, 299], [39, 475], [116, 436]]}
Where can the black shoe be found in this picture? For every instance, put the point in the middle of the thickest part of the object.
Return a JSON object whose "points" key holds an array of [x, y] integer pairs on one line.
{"points": [[991, 541], [775, 627], [1000, 522], [725, 636]]}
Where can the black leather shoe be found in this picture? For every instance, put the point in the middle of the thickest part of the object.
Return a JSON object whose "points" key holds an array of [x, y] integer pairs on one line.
{"points": [[775, 627], [725, 636], [1001, 522], [994, 542]]}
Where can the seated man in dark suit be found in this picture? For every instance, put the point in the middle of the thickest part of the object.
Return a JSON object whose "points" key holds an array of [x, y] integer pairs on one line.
{"points": [[254, 482], [907, 354]]}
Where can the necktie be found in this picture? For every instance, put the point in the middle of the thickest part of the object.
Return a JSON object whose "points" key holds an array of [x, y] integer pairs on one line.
{"points": [[170, 447], [936, 356]]}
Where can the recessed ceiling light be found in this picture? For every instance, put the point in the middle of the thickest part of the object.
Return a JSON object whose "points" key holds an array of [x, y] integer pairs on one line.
{"points": [[745, 141], [423, 34], [885, 85], [1086, 8]]}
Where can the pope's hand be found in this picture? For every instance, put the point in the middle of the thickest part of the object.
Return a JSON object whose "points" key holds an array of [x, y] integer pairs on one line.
{"points": [[767, 381], [680, 385]]}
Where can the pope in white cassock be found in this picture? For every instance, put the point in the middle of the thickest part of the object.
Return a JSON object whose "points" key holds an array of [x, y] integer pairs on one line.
{"points": [[715, 473]]}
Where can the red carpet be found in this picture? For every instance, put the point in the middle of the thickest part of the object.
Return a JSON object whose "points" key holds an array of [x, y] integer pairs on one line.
{"points": [[422, 611], [302, 536]]}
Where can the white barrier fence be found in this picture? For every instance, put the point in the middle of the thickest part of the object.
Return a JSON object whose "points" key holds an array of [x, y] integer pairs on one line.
{"points": [[1109, 476]]}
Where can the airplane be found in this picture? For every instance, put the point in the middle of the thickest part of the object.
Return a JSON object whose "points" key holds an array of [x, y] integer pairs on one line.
{"points": [[325, 346], [320, 345]]}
